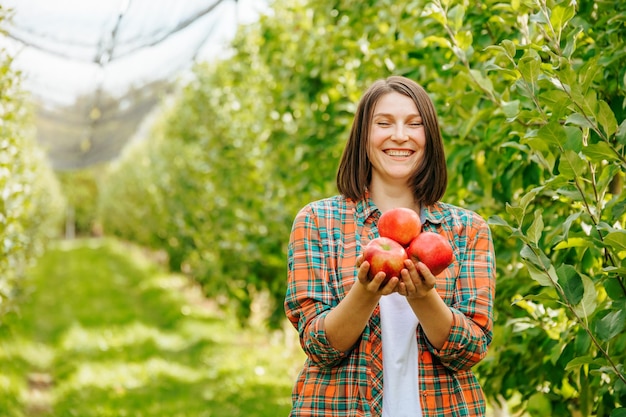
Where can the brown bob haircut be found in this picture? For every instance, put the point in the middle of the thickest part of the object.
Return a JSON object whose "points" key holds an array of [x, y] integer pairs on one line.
{"points": [[429, 179]]}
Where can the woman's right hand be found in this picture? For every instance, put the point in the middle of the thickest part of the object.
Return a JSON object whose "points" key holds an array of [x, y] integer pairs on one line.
{"points": [[374, 285]]}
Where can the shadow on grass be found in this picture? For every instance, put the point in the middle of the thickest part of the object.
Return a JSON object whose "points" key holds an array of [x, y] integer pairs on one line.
{"points": [[167, 396], [106, 332]]}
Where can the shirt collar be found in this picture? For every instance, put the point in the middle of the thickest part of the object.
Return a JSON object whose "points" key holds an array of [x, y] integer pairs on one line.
{"points": [[365, 208], [433, 214]]}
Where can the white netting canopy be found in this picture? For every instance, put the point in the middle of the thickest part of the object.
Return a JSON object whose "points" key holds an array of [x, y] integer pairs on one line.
{"points": [[97, 68]]}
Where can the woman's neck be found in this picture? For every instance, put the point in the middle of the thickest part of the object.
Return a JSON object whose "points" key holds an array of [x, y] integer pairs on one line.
{"points": [[387, 196]]}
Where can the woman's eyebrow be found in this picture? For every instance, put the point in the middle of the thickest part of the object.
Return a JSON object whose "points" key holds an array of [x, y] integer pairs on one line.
{"points": [[409, 116]]}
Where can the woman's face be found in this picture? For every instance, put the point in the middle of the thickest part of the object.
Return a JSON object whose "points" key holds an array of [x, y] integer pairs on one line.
{"points": [[397, 138]]}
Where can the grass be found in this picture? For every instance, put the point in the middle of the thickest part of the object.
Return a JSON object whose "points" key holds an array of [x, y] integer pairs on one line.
{"points": [[105, 331]]}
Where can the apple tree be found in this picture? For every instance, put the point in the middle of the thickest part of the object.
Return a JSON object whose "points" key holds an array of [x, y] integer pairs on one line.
{"points": [[31, 205], [539, 146]]}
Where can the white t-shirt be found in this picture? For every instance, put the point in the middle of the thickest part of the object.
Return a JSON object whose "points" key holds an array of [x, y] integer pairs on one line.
{"points": [[400, 375]]}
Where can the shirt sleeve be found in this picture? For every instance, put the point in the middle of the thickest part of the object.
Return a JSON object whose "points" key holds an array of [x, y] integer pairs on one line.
{"points": [[309, 295], [472, 309]]}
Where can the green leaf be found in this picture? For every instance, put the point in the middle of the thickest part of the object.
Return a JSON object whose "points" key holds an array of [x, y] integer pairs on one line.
{"points": [[553, 133], [567, 224], [571, 283], [542, 153], [578, 362], [536, 228], [571, 165], [510, 109], [440, 41], [589, 102], [558, 101], [570, 45], [544, 279], [606, 118], [574, 139], [509, 47], [539, 405], [614, 288], [620, 135], [582, 342], [561, 15], [575, 242], [588, 304], [578, 119], [568, 77], [464, 39], [537, 17], [497, 48], [529, 197], [588, 74], [618, 412], [484, 82], [455, 17], [530, 68], [496, 220], [516, 212], [616, 240], [611, 325], [598, 152], [615, 270]]}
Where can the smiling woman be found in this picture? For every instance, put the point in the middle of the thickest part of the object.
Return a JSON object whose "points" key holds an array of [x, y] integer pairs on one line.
{"points": [[396, 343]]}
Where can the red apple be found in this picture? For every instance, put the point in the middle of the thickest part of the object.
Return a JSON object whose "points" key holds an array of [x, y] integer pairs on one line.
{"points": [[433, 250], [386, 255], [400, 224]]}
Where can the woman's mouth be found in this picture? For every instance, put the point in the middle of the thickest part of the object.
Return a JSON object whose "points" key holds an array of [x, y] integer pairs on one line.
{"points": [[399, 153]]}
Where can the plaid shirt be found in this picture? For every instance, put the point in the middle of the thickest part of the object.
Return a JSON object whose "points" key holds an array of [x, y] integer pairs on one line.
{"points": [[326, 238]]}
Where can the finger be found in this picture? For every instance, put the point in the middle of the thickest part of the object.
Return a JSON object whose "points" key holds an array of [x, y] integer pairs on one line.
{"points": [[422, 268], [409, 277], [410, 265], [390, 286], [428, 278], [363, 272], [376, 284], [401, 288]]}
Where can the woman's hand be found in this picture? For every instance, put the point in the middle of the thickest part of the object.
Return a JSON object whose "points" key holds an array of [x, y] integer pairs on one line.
{"points": [[374, 285], [417, 280]]}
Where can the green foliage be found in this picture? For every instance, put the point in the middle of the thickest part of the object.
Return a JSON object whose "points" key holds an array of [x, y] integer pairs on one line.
{"points": [[81, 190], [106, 331], [552, 112], [31, 204], [532, 102]]}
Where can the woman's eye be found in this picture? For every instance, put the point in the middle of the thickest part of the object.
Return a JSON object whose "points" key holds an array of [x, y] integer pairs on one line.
{"points": [[383, 124]]}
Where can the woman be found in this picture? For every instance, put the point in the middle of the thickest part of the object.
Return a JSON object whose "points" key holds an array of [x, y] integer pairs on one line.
{"points": [[405, 348]]}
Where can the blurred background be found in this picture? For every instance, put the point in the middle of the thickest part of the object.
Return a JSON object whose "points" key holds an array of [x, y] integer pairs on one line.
{"points": [[154, 154], [97, 70]]}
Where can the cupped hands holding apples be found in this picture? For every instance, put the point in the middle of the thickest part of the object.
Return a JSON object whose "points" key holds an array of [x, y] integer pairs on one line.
{"points": [[402, 238]]}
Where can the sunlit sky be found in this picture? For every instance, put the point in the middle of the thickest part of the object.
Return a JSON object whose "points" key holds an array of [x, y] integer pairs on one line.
{"points": [[72, 31], [96, 69]]}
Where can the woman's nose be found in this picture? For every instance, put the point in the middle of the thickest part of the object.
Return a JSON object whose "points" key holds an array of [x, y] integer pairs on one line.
{"points": [[399, 133]]}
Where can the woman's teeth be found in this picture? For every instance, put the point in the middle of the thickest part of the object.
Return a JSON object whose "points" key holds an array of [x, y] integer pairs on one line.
{"points": [[398, 153]]}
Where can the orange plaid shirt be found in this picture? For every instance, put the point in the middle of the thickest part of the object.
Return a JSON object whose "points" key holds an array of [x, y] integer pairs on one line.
{"points": [[326, 238]]}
